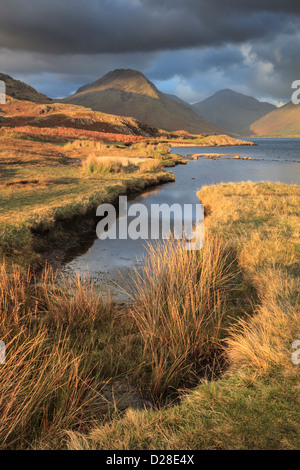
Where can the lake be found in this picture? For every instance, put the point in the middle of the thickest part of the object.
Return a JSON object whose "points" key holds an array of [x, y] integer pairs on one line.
{"points": [[104, 259]]}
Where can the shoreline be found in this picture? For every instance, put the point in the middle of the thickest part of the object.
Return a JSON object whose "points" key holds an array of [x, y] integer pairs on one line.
{"points": [[213, 141], [77, 225]]}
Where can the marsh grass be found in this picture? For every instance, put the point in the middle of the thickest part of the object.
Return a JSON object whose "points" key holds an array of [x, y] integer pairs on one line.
{"points": [[163, 148], [103, 166], [65, 340], [158, 151], [86, 144], [143, 148], [73, 303], [179, 300], [41, 183], [255, 404], [44, 387], [265, 232], [150, 166]]}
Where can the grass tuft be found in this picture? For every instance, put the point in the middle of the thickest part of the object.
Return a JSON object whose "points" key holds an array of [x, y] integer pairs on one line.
{"points": [[104, 166], [179, 300]]}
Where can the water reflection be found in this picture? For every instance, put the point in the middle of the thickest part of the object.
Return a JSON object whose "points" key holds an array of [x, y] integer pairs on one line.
{"points": [[105, 258]]}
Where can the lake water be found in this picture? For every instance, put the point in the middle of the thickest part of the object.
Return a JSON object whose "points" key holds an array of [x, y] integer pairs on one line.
{"points": [[104, 259]]}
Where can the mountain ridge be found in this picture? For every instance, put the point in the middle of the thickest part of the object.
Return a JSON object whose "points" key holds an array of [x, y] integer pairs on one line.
{"points": [[282, 122], [232, 111], [127, 92]]}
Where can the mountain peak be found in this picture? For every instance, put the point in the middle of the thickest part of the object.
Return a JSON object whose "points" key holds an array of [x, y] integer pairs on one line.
{"points": [[127, 80], [127, 92], [126, 72], [123, 74], [232, 111], [227, 91]]}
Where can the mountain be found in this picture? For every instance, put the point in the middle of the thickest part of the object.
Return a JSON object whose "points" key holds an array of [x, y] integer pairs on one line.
{"points": [[283, 122], [127, 92], [21, 91], [232, 111]]}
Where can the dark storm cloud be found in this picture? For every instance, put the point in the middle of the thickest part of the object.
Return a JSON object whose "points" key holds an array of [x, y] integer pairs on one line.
{"points": [[188, 47], [91, 26]]}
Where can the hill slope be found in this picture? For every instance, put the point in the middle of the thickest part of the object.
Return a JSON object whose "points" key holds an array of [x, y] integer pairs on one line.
{"points": [[283, 122], [61, 117], [233, 112], [179, 100], [21, 91], [130, 93]]}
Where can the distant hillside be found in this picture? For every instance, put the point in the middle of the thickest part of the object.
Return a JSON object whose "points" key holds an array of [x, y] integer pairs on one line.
{"points": [[283, 122], [130, 93], [179, 100], [59, 116], [21, 91], [233, 112]]}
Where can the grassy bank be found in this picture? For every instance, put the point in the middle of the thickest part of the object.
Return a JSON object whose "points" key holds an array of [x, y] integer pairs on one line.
{"points": [[41, 183], [75, 358], [208, 141], [255, 405], [80, 368]]}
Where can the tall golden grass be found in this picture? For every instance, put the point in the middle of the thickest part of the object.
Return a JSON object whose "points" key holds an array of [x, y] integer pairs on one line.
{"points": [[48, 381], [179, 299], [53, 327], [100, 165], [56, 329], [86, 144], [163, 148], [44, 388], [157, 151], [266, 239], [150, 166], [255, 404]]}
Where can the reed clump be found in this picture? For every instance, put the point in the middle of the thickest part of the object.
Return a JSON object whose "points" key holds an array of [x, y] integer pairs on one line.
{"points": [[255, 403], [86, 144], [102, 166], [150, 166], [179, 301], [50, 379]]}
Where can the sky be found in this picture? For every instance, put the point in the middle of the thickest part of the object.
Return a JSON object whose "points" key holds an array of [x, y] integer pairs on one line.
{"points": [[190, 48]]}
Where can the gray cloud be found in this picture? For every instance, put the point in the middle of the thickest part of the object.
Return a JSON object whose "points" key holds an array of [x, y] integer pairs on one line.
{"points": [[91, 26], [192, 47]]}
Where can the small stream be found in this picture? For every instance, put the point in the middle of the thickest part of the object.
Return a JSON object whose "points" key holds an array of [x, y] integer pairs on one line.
{"points": [[276, 160]]}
